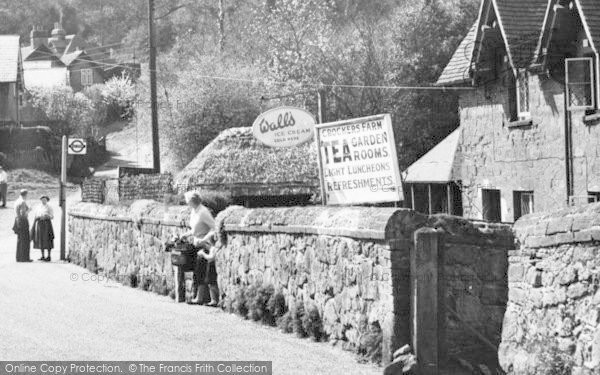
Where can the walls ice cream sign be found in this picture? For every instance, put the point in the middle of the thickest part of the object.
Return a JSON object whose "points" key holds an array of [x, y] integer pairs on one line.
{"points": [[284, 127]]}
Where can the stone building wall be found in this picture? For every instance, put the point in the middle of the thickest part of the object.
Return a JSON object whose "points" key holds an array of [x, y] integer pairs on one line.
{"points": [[552, 315], [495, 155]]}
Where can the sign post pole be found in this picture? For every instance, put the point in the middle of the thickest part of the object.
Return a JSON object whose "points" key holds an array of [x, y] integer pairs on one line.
{"points": [[63, 198]]}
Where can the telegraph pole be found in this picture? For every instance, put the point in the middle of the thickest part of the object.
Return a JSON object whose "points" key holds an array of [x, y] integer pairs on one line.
{"points": [[153, 100]]}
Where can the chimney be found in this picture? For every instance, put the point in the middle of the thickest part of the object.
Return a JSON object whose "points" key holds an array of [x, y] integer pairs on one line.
{"points": [[57, 39], [38, 36]]}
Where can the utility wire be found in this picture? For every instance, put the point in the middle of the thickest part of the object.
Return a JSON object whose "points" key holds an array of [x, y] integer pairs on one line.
{"points": [[315, 86]]}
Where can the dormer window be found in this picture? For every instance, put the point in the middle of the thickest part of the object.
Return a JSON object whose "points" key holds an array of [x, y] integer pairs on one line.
{"points": [[522, 91], [580, 83]]}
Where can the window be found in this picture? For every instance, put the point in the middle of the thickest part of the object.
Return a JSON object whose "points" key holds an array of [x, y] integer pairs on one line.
{"points": [[522, 94], [87, 77], [491, 205], [593, 196], [580, 82], [523, 203]]}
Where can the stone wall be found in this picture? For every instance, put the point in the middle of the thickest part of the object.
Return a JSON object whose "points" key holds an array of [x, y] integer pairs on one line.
{"points": [[127, 188], [352, 263], [554, 295], [126, 242]]}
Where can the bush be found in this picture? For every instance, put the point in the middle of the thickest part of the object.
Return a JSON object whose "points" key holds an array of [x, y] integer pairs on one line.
{"points": [[370, 346], [258, 309], [250, 294], [297, 318], [198, 109], [277, 305], [286, 323], [119, 96], [74, 110], [312, 323], [551, 360], [239, 303]]}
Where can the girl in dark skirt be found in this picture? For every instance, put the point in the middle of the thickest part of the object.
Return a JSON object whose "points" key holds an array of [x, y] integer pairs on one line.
{"points": [[21, 228], [42, 232], [206, 272]]}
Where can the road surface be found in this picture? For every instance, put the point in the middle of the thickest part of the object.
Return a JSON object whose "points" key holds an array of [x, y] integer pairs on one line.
{"points": [[53, 311]]}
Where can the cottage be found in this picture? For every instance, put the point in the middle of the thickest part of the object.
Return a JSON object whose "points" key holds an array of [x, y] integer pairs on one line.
{"points": [[529, 130], [11, 78], [254, 174], [59, 60]]}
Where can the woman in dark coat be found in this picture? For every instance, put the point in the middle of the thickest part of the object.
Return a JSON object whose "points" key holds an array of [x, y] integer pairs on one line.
{"points": [[21, 228], [42, 232]]}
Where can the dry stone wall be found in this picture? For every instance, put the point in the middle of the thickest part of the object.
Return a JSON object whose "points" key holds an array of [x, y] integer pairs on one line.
{"points": [[552, 317], [352, 263], [125, 243]]}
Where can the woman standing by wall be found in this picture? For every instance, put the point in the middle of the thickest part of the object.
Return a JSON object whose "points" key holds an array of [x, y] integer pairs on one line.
{"points": [[202, 229], [21, 227], [42, 231]]}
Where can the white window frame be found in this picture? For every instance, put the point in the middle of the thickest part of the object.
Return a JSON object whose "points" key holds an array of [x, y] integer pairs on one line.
{"points": [[593, 84], [87, 77], [522, 195], [522, 115]]}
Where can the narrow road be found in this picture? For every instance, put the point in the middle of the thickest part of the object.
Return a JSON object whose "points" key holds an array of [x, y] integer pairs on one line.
{"points": [[54, 311]]}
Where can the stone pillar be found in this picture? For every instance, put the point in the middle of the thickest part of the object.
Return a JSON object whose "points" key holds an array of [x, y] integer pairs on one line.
{"points": [[427, 315]]}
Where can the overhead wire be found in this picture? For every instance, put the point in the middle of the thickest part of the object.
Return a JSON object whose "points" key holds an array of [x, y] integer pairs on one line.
{"points": [[314, 85]]}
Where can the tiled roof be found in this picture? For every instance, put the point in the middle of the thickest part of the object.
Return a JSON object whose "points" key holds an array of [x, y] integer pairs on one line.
{"points": [[522, 21], [438, 165], [591, 12], [9, 58], [457, 70], [68, 58]]}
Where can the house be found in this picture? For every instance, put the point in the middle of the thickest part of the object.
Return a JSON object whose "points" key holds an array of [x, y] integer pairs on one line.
{"points": [[11, 78], [254, 174], [59, 60], [529, 135]]}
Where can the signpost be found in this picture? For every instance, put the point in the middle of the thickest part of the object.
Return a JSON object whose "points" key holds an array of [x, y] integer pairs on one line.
{"points": [[284, 127], [358, 161], [70, 146]]}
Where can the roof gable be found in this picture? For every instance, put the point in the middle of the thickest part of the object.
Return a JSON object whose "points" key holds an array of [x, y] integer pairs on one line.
{"points": [[520, 23], [9, 58], [40, 53]]}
